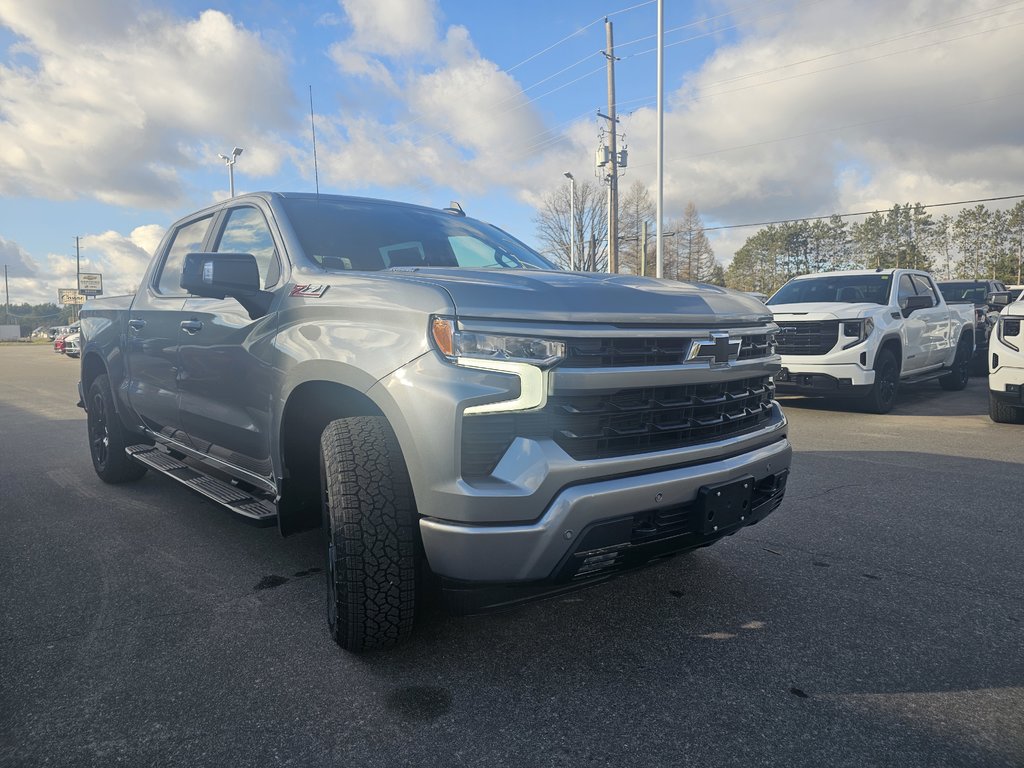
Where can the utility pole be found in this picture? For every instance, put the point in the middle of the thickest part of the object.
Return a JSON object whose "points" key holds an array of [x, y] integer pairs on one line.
{"points": [[78, 274], [659, 235], [7, 305], [643, 250], [613, 173]]}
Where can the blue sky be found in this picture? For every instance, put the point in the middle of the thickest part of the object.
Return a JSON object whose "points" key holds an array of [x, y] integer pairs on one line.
{"points": [[112, 113]]}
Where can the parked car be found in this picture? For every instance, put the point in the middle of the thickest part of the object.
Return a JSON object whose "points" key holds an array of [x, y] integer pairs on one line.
{"points": [[60, 341], [1006, 367], [71, 341], [437, 397], [864, 333], [975, 292]]}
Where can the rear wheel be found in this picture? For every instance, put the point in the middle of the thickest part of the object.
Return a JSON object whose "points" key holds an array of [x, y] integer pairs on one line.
{"points": [[882, 396], [1003, 413], [108, 438], [368, 520], [960, 373]]}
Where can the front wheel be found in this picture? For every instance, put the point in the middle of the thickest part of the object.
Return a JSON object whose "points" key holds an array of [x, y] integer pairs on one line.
{"points": [[108, 438], [960, 373], [368, 520], [1004, 413], [882, 396]]}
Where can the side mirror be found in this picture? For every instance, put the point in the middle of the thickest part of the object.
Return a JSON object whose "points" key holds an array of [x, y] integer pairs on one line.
{"points": [[914, 303], [999, 299], [220, 275]]}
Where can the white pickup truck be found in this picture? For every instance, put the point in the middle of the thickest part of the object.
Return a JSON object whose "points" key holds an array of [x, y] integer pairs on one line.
{"points": [[1006, 366], [862, 333]]}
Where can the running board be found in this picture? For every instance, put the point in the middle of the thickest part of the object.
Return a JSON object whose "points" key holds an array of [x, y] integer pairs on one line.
{"points": [[254, 509], [923, 377]]}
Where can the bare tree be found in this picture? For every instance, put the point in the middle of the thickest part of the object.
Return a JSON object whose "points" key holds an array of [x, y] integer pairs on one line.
{"points": [[693, 257], [591, 225], [636, 208]]}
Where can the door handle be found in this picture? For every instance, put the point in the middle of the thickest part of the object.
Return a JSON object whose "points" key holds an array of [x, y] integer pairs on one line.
{"points": [[136, 324], [191, 327]]}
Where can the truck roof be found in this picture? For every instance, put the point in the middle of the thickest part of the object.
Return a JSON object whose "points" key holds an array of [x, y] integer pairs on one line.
{"points": [[890, 271]]}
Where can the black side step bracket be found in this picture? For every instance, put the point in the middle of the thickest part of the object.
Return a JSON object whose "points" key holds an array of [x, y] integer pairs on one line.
{"points": [[254, 509]]}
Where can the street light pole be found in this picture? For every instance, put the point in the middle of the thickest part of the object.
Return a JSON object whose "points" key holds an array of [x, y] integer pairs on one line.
{"points": [[572, 220], [230, 163]]}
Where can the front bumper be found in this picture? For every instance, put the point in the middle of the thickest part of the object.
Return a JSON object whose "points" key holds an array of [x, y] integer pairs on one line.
{"points": [[593, 529], [797, 376]]}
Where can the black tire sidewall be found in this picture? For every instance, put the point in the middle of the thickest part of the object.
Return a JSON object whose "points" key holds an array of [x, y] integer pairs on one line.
{"points": [[885, 365]]}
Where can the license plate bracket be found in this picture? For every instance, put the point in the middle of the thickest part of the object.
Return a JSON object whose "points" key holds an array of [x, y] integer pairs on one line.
{"points": [[725, 505]]}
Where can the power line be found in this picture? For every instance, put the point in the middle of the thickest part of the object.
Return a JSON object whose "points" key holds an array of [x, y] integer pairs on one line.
{"points": [[578, 32], [858, 213]]}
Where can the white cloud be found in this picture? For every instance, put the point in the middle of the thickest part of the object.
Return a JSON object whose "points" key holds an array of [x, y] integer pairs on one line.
{"points": [[886, 107], [18, 262], [461, 121], [392, 27], [110, 101], [121, 259]]}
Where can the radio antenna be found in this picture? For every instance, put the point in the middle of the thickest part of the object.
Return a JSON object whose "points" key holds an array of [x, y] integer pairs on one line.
{"points": [[312, 128]]}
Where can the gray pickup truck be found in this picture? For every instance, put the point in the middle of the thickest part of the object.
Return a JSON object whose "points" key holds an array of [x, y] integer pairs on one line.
{"points": [[450, 408]]}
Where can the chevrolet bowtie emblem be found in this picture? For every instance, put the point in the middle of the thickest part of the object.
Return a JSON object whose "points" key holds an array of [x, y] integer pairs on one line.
{"points": [[719, 349]]}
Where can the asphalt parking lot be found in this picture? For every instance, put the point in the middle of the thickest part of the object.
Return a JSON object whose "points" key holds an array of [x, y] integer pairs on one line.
{"points": [[877, 618]]}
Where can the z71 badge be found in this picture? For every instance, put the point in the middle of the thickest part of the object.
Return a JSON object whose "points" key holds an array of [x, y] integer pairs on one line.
{"points": [[309, 291]]}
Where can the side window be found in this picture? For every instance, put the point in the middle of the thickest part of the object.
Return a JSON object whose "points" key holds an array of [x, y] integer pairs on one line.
{"points": [[246, 231], [188, 239], [904, 290], [925, 288], [470, 252]]}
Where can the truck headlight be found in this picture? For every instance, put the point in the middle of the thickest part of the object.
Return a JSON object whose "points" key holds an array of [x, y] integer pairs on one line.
{"points": [[857, 331], [1009, 326], [526, 357], [456, 345]]}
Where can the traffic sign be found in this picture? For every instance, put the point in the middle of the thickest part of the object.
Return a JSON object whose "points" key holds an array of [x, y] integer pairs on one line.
{"points": [[70, 296], [90, 283]]}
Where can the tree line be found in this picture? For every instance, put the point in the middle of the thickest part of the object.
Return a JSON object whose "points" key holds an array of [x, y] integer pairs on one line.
{"points": [[977, 243], [32, 316]]}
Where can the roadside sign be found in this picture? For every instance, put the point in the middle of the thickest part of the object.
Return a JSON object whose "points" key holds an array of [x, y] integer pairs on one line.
{"points": [[70, 296], [90, 283]]}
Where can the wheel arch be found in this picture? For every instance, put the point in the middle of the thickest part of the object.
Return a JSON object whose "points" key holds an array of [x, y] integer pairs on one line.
{"points": [[309, 408], [894, 345]]}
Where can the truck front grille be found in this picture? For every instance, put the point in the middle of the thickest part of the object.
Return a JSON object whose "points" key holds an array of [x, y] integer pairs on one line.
{"points": [[619, 352], [807, 337], [623, 423]]}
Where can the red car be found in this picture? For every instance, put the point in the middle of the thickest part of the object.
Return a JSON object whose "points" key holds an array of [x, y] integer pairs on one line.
{"points": [[58, 343]]}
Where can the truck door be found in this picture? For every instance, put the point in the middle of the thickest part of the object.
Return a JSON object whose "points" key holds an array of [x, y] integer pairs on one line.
{"points": [[226, 382], [915, 356], [936, 319], [153, 334]]}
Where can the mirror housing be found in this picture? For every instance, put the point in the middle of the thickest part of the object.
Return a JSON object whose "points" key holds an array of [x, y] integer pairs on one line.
{"points": [[914, 303], [223, 275], [999, 299]]}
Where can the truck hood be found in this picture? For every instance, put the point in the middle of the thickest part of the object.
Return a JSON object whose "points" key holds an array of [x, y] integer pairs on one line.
{"points": [[825, 310], [586, 297], [1014, 310]]}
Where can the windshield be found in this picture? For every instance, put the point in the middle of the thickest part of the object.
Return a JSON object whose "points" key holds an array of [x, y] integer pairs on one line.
{"points": [[362, 235], [842, 289], [967, 290]]}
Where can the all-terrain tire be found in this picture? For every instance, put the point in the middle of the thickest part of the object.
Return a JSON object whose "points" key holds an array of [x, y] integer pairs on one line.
{"points": [[1004, 413], [369, 523], [960, 373], [107, 436], [883, 392]]}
